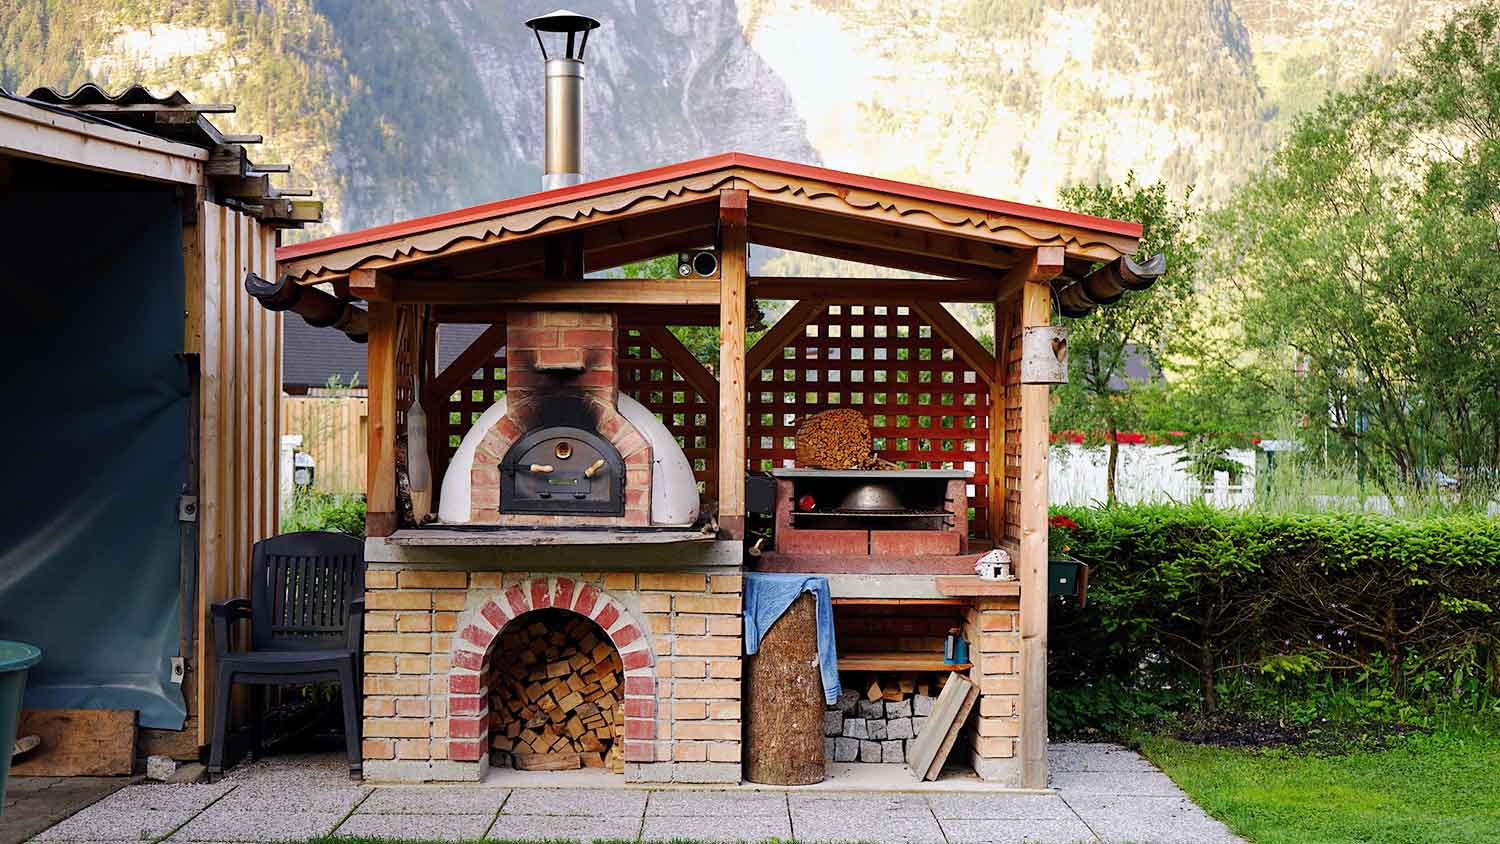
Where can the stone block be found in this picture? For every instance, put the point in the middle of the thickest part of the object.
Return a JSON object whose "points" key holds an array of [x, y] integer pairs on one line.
{"points": [[160, 768], [922, 705], [849, 702], [893, 752], [833, 723], [898, 709], [856, 728], [829, 748], [876, 729], [916, 726], [845, 749], [872, 709], [869, 751], [899, 728]]}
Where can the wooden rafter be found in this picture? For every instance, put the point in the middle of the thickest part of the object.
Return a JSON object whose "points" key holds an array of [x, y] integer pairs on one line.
{"points": [[483, 314], [476, 355], [881, 235], [863, 290], [580, 291], [692, 370], [769, 347]]}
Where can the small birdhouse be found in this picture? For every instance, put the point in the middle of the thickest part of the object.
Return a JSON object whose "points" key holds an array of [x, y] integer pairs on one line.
{"points": [[1044, 354]]}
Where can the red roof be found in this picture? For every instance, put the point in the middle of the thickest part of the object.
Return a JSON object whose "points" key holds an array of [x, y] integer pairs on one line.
{"points": [[693, 168]]}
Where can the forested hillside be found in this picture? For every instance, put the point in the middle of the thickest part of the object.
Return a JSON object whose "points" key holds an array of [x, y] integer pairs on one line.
{"points": [[400, 107]]}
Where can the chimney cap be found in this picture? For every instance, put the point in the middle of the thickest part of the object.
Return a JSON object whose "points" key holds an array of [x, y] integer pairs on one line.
{"points": [[562, 20]]}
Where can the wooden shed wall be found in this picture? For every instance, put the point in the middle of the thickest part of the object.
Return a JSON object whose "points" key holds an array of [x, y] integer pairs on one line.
{"points": [[239, 347], [334, 432]]}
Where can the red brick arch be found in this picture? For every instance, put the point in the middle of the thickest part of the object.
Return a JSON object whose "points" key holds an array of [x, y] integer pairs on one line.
{"points": [[468, 698]]}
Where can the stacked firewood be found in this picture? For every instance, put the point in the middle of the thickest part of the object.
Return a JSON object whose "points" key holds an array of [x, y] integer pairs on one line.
{"points": [[837, 439], [555, 697], [881, 719]]}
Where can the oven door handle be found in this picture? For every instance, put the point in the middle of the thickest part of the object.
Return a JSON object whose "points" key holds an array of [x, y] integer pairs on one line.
{"points": [[594, 468], [541, 468]]}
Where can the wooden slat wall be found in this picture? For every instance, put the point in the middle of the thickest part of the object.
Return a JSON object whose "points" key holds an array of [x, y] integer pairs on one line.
{"points": [[239, 348], [927, 408], [1013, 425], [647, 376], [333, 430]]}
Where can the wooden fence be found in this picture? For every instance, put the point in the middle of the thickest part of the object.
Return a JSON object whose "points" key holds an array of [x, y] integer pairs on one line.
{"points": [[333, 430]]}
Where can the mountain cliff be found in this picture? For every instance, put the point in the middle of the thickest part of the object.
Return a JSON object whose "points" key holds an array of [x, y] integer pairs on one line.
{"points": [[393, 108]]}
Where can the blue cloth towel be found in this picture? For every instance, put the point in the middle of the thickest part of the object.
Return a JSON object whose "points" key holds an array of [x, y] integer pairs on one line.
{"points": [[767, 596]]}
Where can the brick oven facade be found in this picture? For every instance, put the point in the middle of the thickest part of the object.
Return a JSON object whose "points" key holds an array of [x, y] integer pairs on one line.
{"points": [[430, 633]]}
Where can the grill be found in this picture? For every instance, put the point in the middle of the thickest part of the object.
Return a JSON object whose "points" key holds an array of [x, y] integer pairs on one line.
{"points": [[562, 470]]}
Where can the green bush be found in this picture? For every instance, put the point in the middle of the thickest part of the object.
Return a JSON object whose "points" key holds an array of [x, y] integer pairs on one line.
{"points": [[322, 511], [1308, 615]]}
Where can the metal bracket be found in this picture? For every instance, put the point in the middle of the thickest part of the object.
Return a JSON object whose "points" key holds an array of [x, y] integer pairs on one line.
{"points": [[179, 670], [187, 508]]}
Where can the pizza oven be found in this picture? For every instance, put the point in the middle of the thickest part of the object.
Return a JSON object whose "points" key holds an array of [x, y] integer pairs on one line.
{"points": [[562, 470]]}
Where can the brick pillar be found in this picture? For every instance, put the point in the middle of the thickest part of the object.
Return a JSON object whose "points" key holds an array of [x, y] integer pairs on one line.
{"points": [[992, 628]]}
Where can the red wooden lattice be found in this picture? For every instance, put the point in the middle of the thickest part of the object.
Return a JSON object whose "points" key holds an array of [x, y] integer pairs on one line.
{"points": [[463, 408], [927, 408], [648, 376]]}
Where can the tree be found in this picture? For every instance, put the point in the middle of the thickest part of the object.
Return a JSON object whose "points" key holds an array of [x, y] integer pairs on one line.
{"points": [[1099, 395], [1369, 248]]}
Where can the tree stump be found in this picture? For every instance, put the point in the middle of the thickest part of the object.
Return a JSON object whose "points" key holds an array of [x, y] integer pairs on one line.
{"points": [[784, 695]]}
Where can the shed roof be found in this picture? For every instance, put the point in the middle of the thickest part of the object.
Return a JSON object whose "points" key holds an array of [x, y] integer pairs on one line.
{"points": [[663, 210]]}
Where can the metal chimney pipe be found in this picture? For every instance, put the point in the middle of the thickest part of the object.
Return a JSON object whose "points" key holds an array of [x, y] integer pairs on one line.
{"points": [[563, 163]]}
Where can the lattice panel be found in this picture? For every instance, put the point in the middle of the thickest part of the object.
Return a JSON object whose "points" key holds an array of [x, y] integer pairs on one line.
{"points": [[483, 388], [647, 375], [927, 408]]}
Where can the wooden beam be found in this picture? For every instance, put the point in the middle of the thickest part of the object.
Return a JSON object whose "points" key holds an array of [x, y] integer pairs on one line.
{"points": [[45, 135], [733, 258], [861, 290], [866, 254], [380, 470], [151, 108], [655, 247], [485, 314], [479, 353], [1004, 321], [1036, 405], [964, 345], [769, 347], [870, 233], [693, 371], [573, 291], [1042, 264], [696, 217], [244, 139], [371, 285]]}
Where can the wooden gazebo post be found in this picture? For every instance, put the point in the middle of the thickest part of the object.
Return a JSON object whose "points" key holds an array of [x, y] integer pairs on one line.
{"points": [[380, 466], [733, 255]]}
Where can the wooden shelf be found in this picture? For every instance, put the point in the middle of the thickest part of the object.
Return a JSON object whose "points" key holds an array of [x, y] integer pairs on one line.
{"points": [[900, 602], [895, 661], [974, 586]]}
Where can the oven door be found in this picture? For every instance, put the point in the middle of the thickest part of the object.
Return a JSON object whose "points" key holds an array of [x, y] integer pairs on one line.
{"points": [[562, 471]]}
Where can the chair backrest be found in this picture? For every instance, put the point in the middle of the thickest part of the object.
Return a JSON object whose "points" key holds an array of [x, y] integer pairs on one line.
{"points": [[303, 585]]}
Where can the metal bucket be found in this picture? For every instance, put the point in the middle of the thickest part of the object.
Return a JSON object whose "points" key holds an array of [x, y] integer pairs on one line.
{"points": [[15, 658]]}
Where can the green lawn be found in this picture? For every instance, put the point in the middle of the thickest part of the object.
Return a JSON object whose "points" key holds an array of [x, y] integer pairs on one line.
{"points": [[1442, 788]]}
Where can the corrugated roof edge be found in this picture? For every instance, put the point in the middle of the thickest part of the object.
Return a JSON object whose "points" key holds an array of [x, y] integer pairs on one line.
{"points": [[694, 167]]}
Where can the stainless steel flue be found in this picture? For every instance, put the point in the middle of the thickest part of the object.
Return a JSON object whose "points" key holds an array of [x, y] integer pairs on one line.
{"points": [[564, 103]]}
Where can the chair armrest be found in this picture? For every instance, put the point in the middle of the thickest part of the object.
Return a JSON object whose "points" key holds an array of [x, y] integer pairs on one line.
{"points": [[355, 630], [225, 613]]}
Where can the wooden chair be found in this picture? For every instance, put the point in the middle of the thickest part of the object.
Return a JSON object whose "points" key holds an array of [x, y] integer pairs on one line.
{"points": [[306, 618]]}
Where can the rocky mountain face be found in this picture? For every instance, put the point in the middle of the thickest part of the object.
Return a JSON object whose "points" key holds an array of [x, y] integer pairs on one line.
{"points": [[394, 108]]}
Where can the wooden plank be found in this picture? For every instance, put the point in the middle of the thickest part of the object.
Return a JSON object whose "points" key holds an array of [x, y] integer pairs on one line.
{"points": [[1004, 320], [1036, 309], [945, 713], [579, 291], [862, 290], [211, 448], [47, 135], [151, 108], [964, 345], [371, 285], [950, 737], [864, 254], [779, 336], [380, 472], [895, 661], [78, 743], [733, 257], [929, 238], [971, 585], [900, 602]]}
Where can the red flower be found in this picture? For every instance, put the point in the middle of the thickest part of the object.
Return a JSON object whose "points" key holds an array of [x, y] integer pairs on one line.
{"points": [[1177, 433], [1061, 521]]}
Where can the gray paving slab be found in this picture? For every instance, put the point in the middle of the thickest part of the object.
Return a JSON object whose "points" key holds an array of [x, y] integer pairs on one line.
{"points": [[34, 803], [116, 825], [1149, 819], [292, 797], [269, 823], [1146, 783], [1069, 830], [716, 828], [961, 806], [1080, 756], [433, 800], [893, 828], [563, 828], [162, 798], [712, 804], [576, 802], [846, 803], [444, 827]]}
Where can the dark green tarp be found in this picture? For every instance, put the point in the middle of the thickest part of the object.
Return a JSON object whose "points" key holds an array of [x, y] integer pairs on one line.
{"points": [[96, 444]]}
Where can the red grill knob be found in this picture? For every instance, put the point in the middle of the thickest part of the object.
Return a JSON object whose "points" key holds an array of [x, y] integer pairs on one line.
{"points": [[806, 503]]}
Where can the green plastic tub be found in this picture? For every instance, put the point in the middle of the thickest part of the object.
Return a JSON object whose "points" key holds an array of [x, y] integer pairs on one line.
{"points": [[15, 658]]}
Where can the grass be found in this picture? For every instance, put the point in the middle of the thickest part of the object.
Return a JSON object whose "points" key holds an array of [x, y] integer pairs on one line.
{"points": [[1442, 788]]}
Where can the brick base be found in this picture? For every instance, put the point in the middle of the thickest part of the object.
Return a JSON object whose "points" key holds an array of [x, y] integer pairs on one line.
{"points": [[992, 627]]}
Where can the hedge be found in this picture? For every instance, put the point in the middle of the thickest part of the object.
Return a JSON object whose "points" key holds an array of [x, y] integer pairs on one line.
{"points": [[1188, 603]]}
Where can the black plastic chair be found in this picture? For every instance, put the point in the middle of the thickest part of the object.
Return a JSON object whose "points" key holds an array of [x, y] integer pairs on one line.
{"points": [[306, 622]]}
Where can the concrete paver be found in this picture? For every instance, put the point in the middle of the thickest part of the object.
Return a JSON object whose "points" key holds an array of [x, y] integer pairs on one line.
{"points": [[1104, 794], [34, 803]]}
